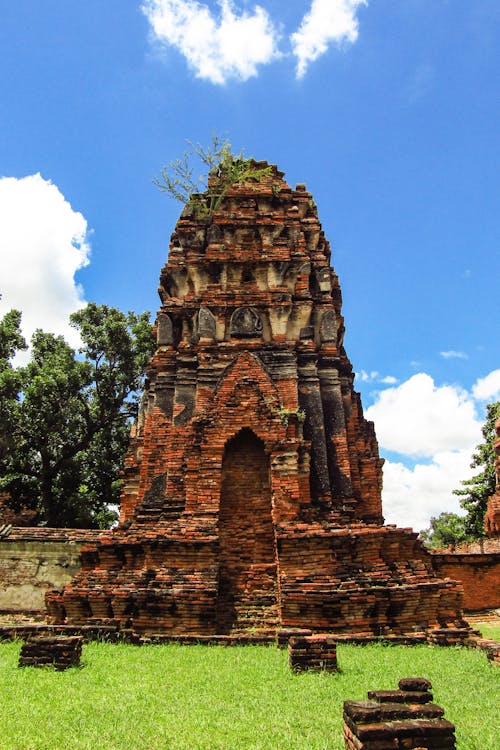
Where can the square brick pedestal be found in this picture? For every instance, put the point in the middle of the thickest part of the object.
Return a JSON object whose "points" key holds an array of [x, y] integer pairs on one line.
{"points": [[397, 719], [313, 652]]}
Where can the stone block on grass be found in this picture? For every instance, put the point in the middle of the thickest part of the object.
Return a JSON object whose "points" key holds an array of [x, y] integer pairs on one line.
{"points": [[313, 652], [60, 652]]}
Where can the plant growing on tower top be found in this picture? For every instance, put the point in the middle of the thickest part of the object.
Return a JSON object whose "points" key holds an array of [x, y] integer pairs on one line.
{"points": [[221, 170]]}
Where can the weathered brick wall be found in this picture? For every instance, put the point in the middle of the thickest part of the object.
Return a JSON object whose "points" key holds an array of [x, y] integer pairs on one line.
{"points": [[479, 575], [33, 560]]}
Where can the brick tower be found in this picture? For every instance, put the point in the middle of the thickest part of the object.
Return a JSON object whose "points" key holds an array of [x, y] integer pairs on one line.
{"points": [[252, 487]]}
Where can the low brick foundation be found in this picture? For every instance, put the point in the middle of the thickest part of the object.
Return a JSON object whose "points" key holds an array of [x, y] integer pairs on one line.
{"points": [[312, 652], [397, 719], [57, 651], [450, 636], [488, 645]]}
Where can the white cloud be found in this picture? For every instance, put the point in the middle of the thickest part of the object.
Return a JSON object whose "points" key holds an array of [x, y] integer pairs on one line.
{"points": [[420, 419], [367, 377], [388, 380], [327, 22], [487, 388], [453, 354], [43, 243], [375, 377], [439, 424], [412, 495], [218, 48]]}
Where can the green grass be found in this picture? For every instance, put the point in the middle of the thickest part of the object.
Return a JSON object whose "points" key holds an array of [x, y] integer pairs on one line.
{"points": [[488, 630], [194, 697]]}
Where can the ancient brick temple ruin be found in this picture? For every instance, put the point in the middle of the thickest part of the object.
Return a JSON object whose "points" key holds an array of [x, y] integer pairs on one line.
{"points": [[492, 517], [252, 488]]}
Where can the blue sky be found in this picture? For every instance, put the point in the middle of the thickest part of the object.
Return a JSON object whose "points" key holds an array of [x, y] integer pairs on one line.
{"points": [[387, 110]]}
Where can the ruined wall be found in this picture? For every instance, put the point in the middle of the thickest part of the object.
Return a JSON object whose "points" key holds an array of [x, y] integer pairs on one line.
{"points": [[478, 573], [34, 560]]}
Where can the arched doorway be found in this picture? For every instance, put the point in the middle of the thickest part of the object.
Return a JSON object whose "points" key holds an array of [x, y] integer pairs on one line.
{"points": [[247, 595]]}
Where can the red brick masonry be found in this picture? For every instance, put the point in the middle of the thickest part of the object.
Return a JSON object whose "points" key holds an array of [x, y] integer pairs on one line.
{"points": [[312, 653], [478, 573], [252, 487], [397, 719]]}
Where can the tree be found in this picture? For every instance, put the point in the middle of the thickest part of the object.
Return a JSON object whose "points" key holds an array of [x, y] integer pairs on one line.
{"points": [[222, 170], [444, 530], [117, 347], [11, 341], [70, 426], [475, 492]]}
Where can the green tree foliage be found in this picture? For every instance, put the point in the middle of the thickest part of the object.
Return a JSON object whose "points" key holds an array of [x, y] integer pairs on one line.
{"points": [[475, 492], [11, 341], [70, 421], [444, 530], [217, 161]]}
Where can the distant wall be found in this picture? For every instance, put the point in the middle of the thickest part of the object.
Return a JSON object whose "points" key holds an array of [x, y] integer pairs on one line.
{"points": [[478, 573], [33, 560]]}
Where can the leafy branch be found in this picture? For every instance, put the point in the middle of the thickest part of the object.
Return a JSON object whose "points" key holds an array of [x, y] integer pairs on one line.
{"points": [[222, 170]]}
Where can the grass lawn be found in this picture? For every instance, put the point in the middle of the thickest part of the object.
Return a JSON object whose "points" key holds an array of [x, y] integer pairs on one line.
{"points": [[488, 630], [193, 697]]}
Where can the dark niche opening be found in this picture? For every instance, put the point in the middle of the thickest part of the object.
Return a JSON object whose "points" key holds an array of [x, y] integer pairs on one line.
{"points": [[247, 595]]}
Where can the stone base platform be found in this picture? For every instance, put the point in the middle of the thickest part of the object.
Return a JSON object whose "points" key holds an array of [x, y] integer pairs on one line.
{"points": [[368, 580]]}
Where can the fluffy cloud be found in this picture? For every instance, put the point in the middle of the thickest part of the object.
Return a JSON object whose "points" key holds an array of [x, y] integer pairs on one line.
{"points": [[412, 495], [388, 380], [375, 377], [434, 429], [327, 22], [232, 44], [217, 48], [487, 388], [43, 243], [420, 419]]}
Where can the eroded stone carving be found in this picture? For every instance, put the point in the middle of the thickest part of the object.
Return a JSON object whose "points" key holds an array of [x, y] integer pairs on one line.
{"points": [[246, 323], [328, 327], [205, 324], [165, 333], [323, 279]]}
